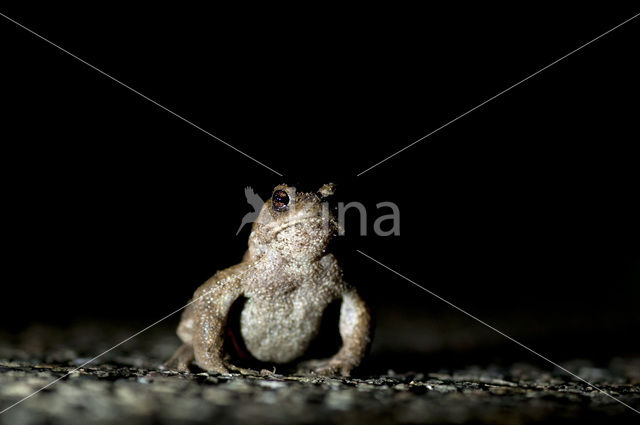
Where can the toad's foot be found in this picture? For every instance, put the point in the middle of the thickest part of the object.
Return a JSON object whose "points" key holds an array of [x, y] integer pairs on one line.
{"points": [[324, 367], [240, 370], [332, 370], [334, 367], [181, 360]]}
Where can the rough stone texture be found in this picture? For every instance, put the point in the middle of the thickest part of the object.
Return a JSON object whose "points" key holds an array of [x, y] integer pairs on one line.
{"points": [[127, 386]]}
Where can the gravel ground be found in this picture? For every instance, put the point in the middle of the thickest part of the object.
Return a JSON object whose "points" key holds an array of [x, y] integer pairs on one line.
{"points": [[128, 386]]}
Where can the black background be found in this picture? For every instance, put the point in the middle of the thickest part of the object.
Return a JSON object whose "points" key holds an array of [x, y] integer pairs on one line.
{"points": [[525, 212]]}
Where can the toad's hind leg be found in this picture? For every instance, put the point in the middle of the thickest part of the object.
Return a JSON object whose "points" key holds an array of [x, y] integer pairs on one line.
{"points": [[181, 360]]}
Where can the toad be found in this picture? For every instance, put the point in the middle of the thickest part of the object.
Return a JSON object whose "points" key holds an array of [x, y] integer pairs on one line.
{"points": [[287, 279]]}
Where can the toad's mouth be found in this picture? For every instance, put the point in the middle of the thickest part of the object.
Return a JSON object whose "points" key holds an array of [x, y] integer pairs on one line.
{"points": [[301, 220]]}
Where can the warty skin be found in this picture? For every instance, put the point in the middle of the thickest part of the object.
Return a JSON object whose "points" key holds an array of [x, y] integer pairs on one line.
{"points": [[288, 279]]}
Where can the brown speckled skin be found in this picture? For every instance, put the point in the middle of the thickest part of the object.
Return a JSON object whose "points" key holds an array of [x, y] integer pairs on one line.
{"points": [[288, 279]]}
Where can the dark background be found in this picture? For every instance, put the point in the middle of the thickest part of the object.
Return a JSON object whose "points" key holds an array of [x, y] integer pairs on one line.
{"points": [[525, 212]]}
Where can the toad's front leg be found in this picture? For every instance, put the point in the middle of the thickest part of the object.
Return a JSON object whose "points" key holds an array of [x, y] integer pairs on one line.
{"points": [[355, 330], [212, 302]]}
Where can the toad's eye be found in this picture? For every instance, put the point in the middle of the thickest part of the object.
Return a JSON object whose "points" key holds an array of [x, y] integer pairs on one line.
{"points": [[280, 200]]}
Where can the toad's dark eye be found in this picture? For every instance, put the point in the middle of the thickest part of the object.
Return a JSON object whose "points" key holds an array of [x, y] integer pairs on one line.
{"points": [[280, 200]]}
